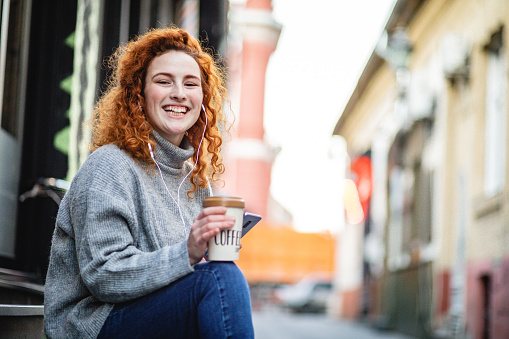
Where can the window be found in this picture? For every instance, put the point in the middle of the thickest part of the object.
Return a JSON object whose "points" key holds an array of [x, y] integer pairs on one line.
{"points": [[395, 226], [495, 118], [10, 62]]}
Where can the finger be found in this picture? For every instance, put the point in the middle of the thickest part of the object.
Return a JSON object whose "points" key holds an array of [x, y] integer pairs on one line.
{"points": [[211, 229], [215, 227], [210, 234], [203, 233], [215, 221], [208, 211], [221, 210]]}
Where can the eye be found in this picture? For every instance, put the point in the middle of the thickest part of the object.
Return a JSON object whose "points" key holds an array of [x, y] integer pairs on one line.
{"points": [[163, 82], [191, 84]]}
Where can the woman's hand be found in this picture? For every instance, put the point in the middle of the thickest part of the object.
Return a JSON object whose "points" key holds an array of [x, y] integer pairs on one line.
{"points": [[205, 226]]}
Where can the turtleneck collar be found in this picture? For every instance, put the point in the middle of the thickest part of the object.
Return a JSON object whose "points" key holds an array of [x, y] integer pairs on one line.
{"points": [[170, 155]]}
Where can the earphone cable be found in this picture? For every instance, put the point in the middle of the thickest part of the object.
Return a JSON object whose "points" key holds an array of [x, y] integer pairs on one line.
{"points": [[177, 202]]}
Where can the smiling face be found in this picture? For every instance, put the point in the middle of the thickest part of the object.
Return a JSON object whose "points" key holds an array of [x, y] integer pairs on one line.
{"points": [[173, 94]]}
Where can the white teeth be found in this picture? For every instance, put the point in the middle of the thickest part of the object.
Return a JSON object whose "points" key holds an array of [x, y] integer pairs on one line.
{"points": [[175, 110]]}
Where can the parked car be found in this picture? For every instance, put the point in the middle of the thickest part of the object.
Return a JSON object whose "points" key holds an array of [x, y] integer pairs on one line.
{"points": [[311, 294]]}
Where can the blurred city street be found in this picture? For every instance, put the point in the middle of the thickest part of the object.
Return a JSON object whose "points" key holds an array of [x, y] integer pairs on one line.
{"points": [[371, 136], [273, 323]]}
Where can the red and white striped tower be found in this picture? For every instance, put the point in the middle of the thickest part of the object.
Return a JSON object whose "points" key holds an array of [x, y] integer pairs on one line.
{"points": [[249, 157]]}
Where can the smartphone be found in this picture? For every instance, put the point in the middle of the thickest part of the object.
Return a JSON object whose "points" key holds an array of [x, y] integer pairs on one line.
{"points": [[250, 220]]}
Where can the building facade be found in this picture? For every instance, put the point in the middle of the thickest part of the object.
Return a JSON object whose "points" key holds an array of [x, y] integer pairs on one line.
{"points": [[430, 111]]}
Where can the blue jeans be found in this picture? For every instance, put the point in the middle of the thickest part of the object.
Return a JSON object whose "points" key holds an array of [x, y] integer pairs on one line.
{"points": [[211, 302]]}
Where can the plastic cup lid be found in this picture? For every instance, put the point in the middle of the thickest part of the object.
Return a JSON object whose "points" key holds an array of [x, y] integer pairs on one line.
{"points": [[221, 200]]}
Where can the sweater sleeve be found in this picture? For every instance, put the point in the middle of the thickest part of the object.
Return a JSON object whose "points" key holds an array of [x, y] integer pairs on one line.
{"points": [[119, 253], [111, 266]]}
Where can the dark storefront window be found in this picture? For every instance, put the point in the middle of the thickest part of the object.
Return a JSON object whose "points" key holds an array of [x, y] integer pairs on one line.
{"points": [[12, 48]]}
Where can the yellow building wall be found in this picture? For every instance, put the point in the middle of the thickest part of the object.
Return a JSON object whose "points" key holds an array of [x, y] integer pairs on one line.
{"points": [[459, 119], [459, 129]]}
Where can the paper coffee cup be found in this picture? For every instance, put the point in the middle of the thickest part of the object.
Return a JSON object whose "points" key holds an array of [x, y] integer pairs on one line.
{"points": [[225, 245]]}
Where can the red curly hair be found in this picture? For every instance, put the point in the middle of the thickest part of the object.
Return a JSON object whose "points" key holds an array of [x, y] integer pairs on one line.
{"points": [[118, 116]]}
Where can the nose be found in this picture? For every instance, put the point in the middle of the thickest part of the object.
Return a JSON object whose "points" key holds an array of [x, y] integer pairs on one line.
{"points": [[177, 92]]}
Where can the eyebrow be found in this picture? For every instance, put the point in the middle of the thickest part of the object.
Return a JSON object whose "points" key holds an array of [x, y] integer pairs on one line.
{"points": [[172, 76]]}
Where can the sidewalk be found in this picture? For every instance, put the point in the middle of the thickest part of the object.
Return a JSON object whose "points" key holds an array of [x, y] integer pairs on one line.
{"points": [[275, 324]]}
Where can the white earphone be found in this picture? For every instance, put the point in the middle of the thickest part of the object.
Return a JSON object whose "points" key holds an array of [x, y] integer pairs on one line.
{"points": [[177, 201], [151, 153]]}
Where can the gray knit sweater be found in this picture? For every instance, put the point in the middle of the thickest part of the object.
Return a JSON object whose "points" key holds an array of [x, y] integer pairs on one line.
{"points": [[118, 236]]}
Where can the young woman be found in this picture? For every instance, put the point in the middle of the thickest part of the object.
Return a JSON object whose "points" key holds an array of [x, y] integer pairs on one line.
{"points": [[131, 233]]}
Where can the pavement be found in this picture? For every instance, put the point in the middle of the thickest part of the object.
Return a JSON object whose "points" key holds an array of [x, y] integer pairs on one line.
{"points": [[278, 324]]}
